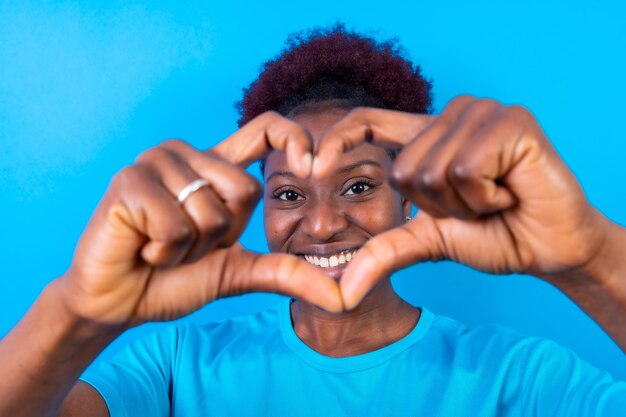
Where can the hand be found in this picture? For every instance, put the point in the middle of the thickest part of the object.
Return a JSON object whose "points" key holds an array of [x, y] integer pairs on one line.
{"points": [[146, 257], [493, 193]]}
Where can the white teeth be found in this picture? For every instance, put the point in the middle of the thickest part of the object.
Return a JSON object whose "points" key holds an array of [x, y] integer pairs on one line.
{"points": [[332, 261]]}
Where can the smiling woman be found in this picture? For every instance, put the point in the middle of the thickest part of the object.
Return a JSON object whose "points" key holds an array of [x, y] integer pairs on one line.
{"points": [[338, 213], [492, 192], [328, 219]]}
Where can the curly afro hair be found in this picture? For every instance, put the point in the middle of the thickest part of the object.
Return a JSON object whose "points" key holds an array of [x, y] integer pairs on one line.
{"points": [[336, 64]]}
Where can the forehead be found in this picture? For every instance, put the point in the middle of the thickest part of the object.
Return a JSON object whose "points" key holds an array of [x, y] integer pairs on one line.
{"points": [[318, 123]]}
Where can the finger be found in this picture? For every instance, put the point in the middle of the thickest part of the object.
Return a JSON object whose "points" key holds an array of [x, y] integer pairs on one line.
{"points": [[382, 127], [145, 206], [415, 241], [480, 169], [406, 163], [235, 188], [234, 271], [267, 132], [210, 219], [429, 184], [288, 275]]}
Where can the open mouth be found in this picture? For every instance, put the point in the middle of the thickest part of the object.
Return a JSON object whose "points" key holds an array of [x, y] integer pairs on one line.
{"points": [[331, 261]]}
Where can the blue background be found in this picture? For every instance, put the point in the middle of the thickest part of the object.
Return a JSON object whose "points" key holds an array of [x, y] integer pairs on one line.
{"points": [[86, 86]]}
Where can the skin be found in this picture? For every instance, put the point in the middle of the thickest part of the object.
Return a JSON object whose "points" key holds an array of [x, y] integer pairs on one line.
{"points": [[493, 195], [145, 257], [327, 215]]}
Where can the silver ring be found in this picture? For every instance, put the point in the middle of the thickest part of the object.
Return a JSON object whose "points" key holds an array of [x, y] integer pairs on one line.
{"points": [[191, 188]]}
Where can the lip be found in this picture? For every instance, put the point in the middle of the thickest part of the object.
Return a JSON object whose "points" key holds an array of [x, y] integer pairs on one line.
{"points": [[335, 272]]}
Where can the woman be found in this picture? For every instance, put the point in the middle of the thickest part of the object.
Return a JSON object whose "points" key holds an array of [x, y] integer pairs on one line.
{"points": [[493, 194]]}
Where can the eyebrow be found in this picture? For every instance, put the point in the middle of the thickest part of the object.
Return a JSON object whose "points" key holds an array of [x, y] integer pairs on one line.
{"points": [[342, 170], [359, 164]]}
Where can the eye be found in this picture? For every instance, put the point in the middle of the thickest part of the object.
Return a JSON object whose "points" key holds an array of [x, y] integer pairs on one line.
{"points": [[288, 195], [358, 188]]}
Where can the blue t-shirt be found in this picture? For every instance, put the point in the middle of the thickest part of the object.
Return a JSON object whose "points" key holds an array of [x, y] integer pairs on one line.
{"points": [[257, 366]]}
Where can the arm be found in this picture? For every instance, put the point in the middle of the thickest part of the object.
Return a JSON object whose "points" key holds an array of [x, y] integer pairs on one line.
{"points": [[147, 257], [83, 400], [494, 195], [44, 355], [599, 287]]}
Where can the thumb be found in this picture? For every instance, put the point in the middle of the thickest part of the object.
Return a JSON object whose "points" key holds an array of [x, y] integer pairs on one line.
{"points": [[414, 242], [175, 292], [284, 274]]}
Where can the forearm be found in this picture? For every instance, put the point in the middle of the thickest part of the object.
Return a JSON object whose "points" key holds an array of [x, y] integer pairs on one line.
{"points": [[599, 288], [43, 356]]}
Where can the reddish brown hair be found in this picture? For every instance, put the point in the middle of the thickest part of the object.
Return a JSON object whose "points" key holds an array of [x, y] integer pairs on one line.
{"points": [[334, 63]]}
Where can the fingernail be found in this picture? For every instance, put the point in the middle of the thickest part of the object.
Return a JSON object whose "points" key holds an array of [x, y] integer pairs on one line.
{"points": [[307, 163], [315, 173]]}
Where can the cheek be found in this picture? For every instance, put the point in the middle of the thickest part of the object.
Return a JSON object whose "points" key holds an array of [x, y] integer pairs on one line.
{"points": [[381, 214], [278, 225]]}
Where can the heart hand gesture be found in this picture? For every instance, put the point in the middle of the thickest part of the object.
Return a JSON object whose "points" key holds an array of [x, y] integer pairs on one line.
{"points": [[147, 256], [493, 193]]}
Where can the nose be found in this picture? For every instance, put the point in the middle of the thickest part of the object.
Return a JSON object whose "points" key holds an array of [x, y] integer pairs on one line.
{"points": [[323, 219]]}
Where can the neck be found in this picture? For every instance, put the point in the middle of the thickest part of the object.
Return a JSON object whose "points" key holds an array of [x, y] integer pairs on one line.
{"points": [[381, 319]]}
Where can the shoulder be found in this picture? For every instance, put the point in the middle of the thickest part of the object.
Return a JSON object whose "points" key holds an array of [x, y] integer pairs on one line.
{"points": [[489, 339], [506, 351], [527, 373], [247, 329], [543, 373]]}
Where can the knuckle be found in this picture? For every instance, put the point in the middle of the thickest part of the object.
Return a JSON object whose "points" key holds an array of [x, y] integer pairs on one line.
{"points": [[358, 113], [464, 98], [269, 116], [129, 175], [429, 180], [446, 122], [289, 128], [302, 132], [461, 101], [252, 189], [154, 155], [173, 143], [486, 104], [401, 178], [461, 172], [518, 112], [279, 280], [216, 225], [179, 234]]}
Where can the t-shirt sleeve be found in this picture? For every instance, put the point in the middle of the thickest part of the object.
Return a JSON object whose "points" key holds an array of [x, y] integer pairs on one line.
{"points": [[558, 383], [137, 381]]}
